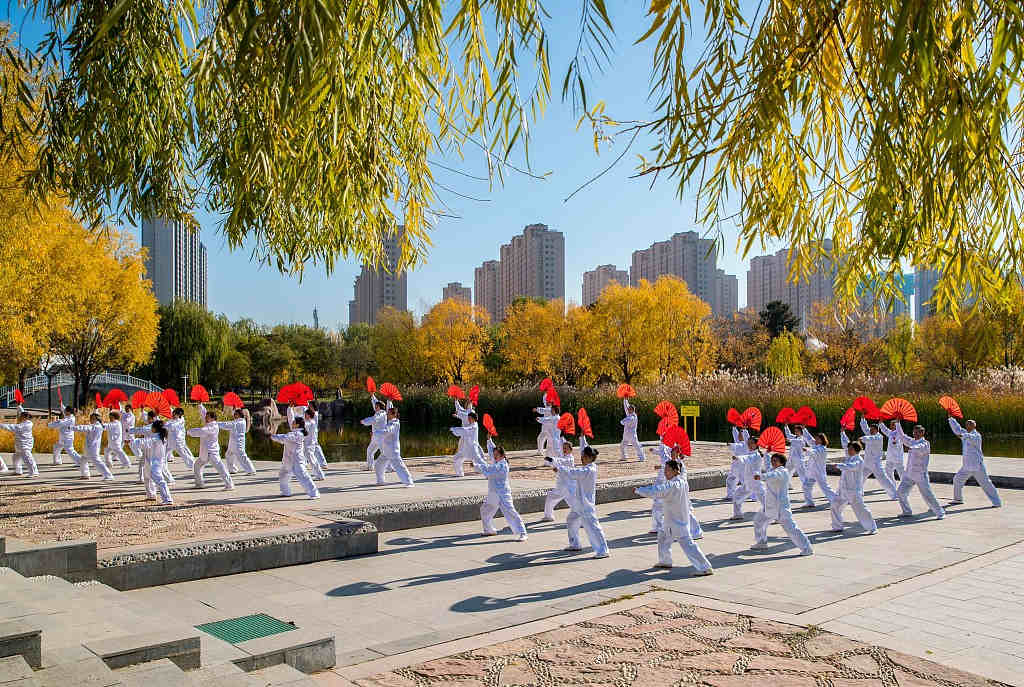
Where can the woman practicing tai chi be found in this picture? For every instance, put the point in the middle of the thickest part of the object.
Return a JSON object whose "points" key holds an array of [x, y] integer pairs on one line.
{"points": [[499, 493], [674, 493], [582, 501], [292, 464]]}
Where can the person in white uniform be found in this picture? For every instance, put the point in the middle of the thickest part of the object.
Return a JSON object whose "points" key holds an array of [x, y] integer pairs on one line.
{"points": [[209, 452], [91, 452], [467, 439], [583, 501], [549, 425], [894, 451], [292, 465], [544, 409], [798, 441], [564, 484], [499, 494], [176, 438], [235, 456], [918, 455], [311, 443], [973, 465], [749, 462], [391, 452], [874, 451], [777, 507], [674, 493], [629, 435], [376, 423], [115, 441], [851, 489], [737, 448], [153, 452], [24, 441], [139, 434], [65, 437], [814, 467], [127, 423], [318, 450]]}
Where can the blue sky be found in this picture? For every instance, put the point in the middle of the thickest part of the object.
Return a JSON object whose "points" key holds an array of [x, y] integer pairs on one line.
{"points": [[602, 224]]}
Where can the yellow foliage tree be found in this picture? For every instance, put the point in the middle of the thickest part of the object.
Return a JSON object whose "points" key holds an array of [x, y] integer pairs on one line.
{"points": [[955, 346], [111, 308], [454, 340], [743, 340], [618, 341], [531, 335], [573, 362], [849, 337], [681, 341], [398, 347]]}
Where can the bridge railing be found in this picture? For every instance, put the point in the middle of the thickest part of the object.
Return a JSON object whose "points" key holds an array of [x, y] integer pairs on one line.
{"points": [[40, 382]]}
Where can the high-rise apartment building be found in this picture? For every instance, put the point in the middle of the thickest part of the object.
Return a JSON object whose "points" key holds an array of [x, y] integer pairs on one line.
{"points": [[176, 261], [925, 282], [725, 295], [596, 279], [485, 286], [532, 265], [376, 288], [456, 291], [686, 256], [768, 280]]}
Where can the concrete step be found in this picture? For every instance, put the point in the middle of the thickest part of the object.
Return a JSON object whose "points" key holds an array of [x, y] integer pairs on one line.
{"points": [[225, 674], [280, 676], [52, 581], [18, 638], [13, 668], [309, 649], [88, 672], [162, 672], [179, 644]]}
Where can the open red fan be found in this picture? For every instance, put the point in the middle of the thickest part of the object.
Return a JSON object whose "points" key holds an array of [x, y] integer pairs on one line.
{"points": [[199, 393], [18, 396], [296, 392], [583, 420], [899, 409], [455, 391], [676, 437], [489, 425], [566, 424], [153, 399], [474, 394], [734, 418], [864, 405], [665, 424], [625, 391], [139, 399], [160, 406], [950, 405], [551, 397], [751, 418], [772, 440], [785, 416], [666, 409], [546, 384], [172, 397], [231, 400], [99, 401], [848, 418], [390, 391], [371, 386], [805, 416], [114, 397]]}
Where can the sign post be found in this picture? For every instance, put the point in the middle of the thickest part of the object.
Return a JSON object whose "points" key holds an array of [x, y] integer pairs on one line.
{"points": [[693, 411]]}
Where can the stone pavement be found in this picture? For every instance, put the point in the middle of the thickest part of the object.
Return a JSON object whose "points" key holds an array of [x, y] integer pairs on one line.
{"points": [[433, 586]]}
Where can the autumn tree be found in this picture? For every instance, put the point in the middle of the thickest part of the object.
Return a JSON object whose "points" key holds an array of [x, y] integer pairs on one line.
{"points": [[356, 353], [398, 348], [850, 345], [783, 360], [530, 334], [619, 338], [454, 336], [955, 346], [743, 340], [680, 339], [898, 346], [573, 364], [778, 317], [188, 336]]}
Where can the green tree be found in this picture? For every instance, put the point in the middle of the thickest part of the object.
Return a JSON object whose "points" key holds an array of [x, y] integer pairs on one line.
{"points": [[783, 359], [777, 317], [189, 337], [356, 353], [270, 361], [899, 347]]}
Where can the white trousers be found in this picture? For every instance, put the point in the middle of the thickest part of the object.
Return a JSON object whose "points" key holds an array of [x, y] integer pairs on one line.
{"points": [[459, 460], [237, 459], [542, 440], [182, 449], [554, 497], [321, 459], [984, 481], [213, 458], [668, 536], [395, 463], [371, 450], [907, 482], [294, 467], [83, 466], [877, 468], [892, 466], [745, 491], [631, 439], [313, 465], [155, 482], [587, 517], [658, 520], [732, 479], [814, 473], [796, 535], [22, 458], [68, 447], [117, 451], [492, 504], [856, 502]]}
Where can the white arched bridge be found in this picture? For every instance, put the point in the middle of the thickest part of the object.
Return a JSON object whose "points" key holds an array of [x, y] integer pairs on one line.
{"points": [[105, 381]]}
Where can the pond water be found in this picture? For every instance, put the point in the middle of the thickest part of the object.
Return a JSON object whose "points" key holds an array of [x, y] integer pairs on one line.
{"points": [[347, 442]]}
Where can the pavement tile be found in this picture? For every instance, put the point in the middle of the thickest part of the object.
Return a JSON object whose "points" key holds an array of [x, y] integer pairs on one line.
{"points": [[719, 661], [828, 644], [862, 663], [607, 641], [759, 681], [679, 642], [659, 677], [386, 680], [935, 670], [517, 673], [444, 667], [793, 664], [759, 643]]}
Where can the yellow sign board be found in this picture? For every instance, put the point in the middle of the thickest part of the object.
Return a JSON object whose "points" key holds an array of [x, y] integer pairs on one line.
{"points": [[689, 411]]}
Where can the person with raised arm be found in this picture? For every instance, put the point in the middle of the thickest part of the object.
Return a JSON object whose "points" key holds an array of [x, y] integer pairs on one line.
{"points": [[894, 451], [391, 452], [176, 438], [564, 485], [814, 468], [737, 448], [973, 465], [874, 451], [311, 443], [318, 450], [499, 494], [629, 435], [582, 501], [674, 493], [115, 442], [550, 426], [65, 437], [235, 456], [468, 434], [91, 452], [543, 410], [799, 439], [24, 441], [153, 451], [777, 507], [851, 489], [292, 464], [376, 423], [209, 450], [750, 463], [918, 455]]}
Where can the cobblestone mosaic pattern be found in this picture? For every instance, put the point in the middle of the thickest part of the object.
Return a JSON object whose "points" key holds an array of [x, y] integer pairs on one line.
{"points": [[663, 644]]}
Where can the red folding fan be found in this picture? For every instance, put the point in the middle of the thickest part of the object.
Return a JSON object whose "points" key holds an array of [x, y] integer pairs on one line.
{"points": [[489, 425], [805, 416], [676, 437], [785, 416], [199, 393], [153, 399], [899, 409], [371, 386], [390, 391], [231, 400], [583, 420], [18, 396], [950, 405], [772, 440], [864, 405], [665, 424], [99, 401], [734, 418], [113, 398], [666, 409], [848, 418], [546, 384], [566, 424], [139, 399], [751, 418], [455, 391], [172, 397], [474, 394], [160, 406], [625, 391], [551, 397]]}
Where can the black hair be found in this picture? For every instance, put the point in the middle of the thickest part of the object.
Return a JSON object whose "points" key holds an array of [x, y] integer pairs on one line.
{"points": [[68, 409], [823, 439], [555, 410], [380, 405], [311, 404], [114, 415], [95, 417], [178, 412], [779, 457], [159, 430], [472, 415], [499, 449], [151, 413], [856, 446], [394, 409], [300, 424], [23, 416], [674, 464], [310, 411], [590, 452]]}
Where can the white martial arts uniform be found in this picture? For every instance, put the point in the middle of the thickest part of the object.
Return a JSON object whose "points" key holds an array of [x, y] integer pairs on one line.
{"points": [[209, 452], [309, 446], [391, 454], [115, 444], [629, 436], [235, 455], [292, 464], [499, 495], [140, 435], [583, 506], [318, 450], [918, 456], [874, 463], [91, 453], [973, 465], [777, 508], [550, 426], [467, 441], [23, 444], [154, 454], [750, 464], [292, 412], [542, 438], [814, 470], [65, 440], [737, 448], [674, 495], [851, 491], [797, 460], [664, 454], [893, 453], [376, 423], [563, 489], [176, 442]]}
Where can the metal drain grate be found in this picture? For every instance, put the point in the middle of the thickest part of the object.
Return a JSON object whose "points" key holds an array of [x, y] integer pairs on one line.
{"points": [[235, 630]]}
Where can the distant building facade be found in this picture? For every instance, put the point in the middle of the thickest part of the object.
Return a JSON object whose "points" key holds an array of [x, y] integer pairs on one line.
{"points": [[694, 260], [379, 288], [595, 281], [176, 261], [456, 291], [925, 282], [768, 280], [725, 294], [531, 265], [485, 286]]}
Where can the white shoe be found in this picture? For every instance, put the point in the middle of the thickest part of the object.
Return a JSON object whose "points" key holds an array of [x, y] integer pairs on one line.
{"points": [[602, 555], [871, 532], [808, 552], [314, 498], [759, 547], [521, 537], [108, 479], [703, 573], [547, 519]]}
